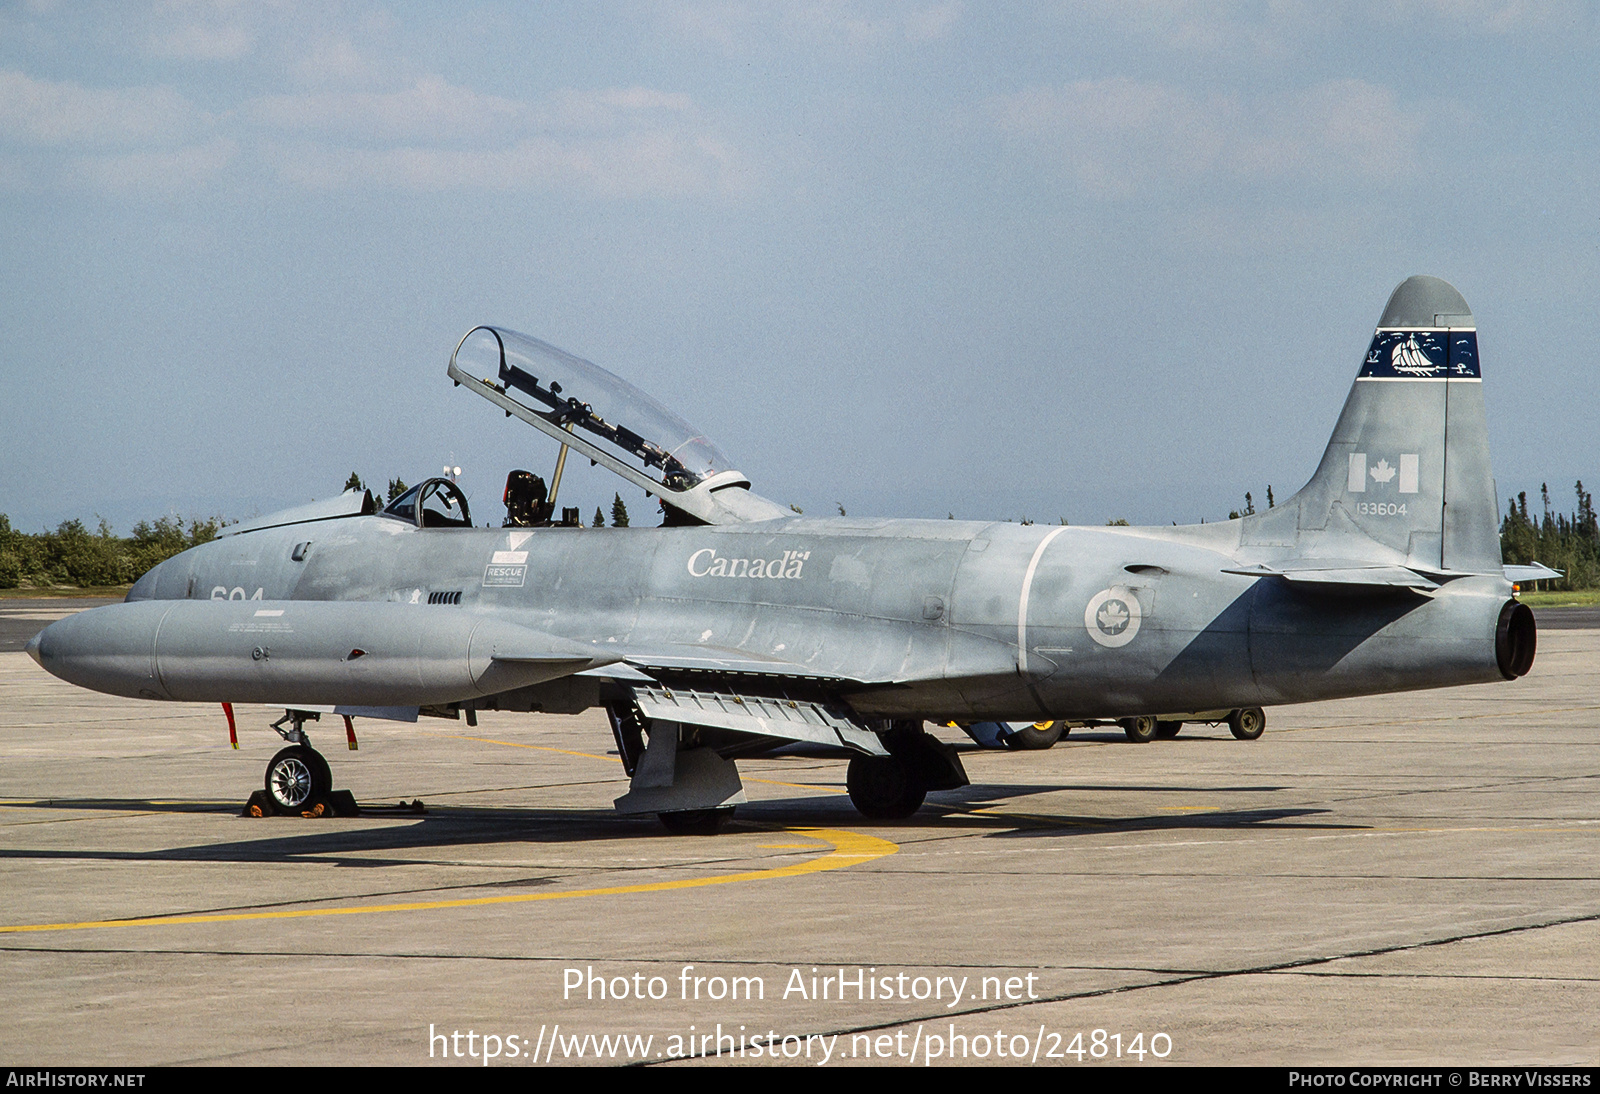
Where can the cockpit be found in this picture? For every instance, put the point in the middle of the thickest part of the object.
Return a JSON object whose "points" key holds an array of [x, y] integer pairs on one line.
{"points": [[436, 503], [606, 420]]}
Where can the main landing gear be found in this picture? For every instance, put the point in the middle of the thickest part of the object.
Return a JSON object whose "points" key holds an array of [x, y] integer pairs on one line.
{"points": [[299, 782], [1037, 737], [1246, 724], [893, 787]]}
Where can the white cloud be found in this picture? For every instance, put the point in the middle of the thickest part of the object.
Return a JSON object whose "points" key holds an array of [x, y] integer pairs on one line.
{"points": [[1480, 16], [1210, 26], [200, 43], [854, 25], [1284, 30], [1357, 126], [199, 30], [335, 60], [434, 110], [164, 171], [611, 108], [431, 109], [48, 112], [1120, 136], [617, 142], [432, 135], [636, 164]]}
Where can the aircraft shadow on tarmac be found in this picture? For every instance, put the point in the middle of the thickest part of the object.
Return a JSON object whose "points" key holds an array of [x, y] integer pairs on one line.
{"points": [[315, 841], [308, 841]]}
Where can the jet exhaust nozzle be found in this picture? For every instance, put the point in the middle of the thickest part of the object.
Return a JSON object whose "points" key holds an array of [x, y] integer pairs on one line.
{"points": [[1515, 639]]}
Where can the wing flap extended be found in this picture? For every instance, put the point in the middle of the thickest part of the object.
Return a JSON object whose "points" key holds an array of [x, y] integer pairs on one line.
{"points": [[759, 716]]}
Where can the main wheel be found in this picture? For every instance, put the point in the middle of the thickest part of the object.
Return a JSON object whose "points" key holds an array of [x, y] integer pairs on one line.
{"points": [[297, 778], [883, 788], [1040, 735], [1168, 730], [1140, 730], [1247, 723], [695, 822]]}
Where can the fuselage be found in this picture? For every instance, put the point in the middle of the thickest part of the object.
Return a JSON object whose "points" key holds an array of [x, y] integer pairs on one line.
{"points": [[928, 619]]}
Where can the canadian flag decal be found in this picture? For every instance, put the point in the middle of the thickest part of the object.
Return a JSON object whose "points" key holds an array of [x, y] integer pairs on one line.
{"points": [[1382, 473]]}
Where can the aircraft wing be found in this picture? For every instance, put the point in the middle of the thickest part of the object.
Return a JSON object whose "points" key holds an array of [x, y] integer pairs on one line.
{"points": [[713, 660]]}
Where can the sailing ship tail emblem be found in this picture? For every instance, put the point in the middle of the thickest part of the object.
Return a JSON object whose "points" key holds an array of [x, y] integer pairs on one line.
{"points": [[1410, 359]]}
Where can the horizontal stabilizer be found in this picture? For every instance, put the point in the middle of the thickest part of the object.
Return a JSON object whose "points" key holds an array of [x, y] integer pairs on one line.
{"points": [[1534, 571], [1345, 575]]}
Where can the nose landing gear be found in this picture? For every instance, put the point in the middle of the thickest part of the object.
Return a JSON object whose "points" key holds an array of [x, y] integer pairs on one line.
{"points": [[299, 782]]}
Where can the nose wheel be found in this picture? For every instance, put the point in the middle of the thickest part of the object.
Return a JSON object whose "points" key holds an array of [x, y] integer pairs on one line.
{"points": [[298, 778], [299, 782]]}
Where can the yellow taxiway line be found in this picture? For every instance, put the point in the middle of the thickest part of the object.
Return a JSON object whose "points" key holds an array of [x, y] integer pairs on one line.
{"points": [[847, 849]]}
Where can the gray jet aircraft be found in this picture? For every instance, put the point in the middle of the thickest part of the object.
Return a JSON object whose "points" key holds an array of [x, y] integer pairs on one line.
{"points": [[739, 625]]}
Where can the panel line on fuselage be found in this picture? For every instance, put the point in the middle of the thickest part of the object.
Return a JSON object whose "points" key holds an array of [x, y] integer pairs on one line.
{"points": [[1022, 602]]}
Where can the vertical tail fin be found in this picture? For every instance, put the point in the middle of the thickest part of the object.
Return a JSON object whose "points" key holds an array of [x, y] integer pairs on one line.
{"points": [[1406, 475]]}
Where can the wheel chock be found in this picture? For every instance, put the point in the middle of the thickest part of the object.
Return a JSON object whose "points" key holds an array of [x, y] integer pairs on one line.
{"points": [[339, 803]]}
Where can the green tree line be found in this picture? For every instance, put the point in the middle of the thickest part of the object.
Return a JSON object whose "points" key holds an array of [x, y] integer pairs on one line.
{"points": [[73, 555], [1563, 541]]}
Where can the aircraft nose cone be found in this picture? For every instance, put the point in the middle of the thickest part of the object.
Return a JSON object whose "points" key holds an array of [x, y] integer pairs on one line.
{"points": [[32, 649]]}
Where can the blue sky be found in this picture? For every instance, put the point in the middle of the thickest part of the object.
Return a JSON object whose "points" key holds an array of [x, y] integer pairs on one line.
{"points": [[1088, 260]]}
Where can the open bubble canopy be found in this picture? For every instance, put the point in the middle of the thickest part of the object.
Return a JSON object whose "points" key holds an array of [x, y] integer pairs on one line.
{"points": [[580, 395]]}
